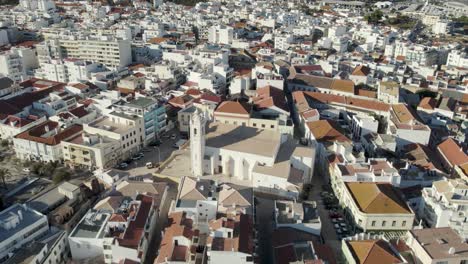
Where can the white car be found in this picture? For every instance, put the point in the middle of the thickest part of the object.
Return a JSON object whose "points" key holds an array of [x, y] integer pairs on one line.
{"points": [[26, 170]]}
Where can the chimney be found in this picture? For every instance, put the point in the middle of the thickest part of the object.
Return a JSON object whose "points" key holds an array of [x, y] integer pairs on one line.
{"points": [[46, 128], [451, 251]]}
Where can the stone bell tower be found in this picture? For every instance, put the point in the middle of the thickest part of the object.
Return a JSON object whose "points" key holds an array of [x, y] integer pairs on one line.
{"points": [[197, 142]]}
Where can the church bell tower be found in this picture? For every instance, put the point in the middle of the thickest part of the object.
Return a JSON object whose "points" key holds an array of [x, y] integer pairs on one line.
{"points": [[197, 142]]}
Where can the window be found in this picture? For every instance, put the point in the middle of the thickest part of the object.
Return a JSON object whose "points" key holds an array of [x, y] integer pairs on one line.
{"points": [[243, 123], [384, 223], [272, 126], [404, 223], [394, 223], [373, 223], [263, 125], [220, 158], [195, 131], [254, 124]]}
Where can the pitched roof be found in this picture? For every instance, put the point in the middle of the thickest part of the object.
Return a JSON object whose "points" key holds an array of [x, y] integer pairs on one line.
{"points": [[326, 130], [361, 70], [234, 107], [179, 225], [452, 152], [372, 251], [378, 198], [428, 103], [438, 241], [37, 133], [343, 86], [269, 96]]}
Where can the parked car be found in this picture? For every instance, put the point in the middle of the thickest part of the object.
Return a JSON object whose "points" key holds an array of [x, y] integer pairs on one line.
{"points": [[155, 143], [26, 170], [123, 165], [173, 136], [149, 165]]}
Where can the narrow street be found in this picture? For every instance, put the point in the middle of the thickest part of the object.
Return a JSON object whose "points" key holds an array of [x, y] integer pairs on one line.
{"points": [[153, 245]]}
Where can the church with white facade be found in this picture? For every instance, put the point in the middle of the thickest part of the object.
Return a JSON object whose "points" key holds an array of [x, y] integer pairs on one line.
{"points": [[267, 158]]}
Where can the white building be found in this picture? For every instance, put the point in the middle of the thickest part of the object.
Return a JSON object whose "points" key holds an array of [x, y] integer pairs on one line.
{"points": [[109, 51], [282, 42], [376, 206], [445, 204], [42, 142], [20, 225], [301, 216], [220, 34], [457, 58], [268, 158], [67, 70], [437, 245], [16, 63]]}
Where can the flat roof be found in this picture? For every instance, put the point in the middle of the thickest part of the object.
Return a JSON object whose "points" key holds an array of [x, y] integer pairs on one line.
{"points": [[105, 123], [91, 225], [141, 102], [26, 216], [243, 139]]}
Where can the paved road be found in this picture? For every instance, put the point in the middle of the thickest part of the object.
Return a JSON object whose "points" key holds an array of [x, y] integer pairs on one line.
{"points": [[156, 154], [264, 215], [328, 231]]}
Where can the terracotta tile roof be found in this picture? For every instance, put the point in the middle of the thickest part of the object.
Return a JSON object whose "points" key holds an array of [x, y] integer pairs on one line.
{"points": [[428, 103], [193, 92], [234, 107], [179, 225], [367, 104], [366, 93], [403, 114], [79, 111], [181, 101], [136, 226], [269, 96], [36, 133], [343, 86], [452, 152], [313, 81], [422, 156], [326, 130], [378, 198], [211, 97], [242, 237], [361, 70], [438, 241], [372, 251], [15, 121]]}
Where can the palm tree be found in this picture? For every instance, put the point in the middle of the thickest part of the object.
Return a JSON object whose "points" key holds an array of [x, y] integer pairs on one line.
{"points": [[3, 174]]}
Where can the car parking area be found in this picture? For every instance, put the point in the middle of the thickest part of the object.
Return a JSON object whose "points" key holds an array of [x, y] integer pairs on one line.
{"points": [[137, 165]]}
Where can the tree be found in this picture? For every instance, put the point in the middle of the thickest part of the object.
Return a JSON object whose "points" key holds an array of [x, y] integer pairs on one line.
{"points": [[374, 17], [3, 174], [61, 175]]}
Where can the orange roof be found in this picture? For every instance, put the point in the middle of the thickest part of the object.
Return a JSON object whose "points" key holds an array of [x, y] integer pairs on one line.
{"points": [[326, 130], [428, 103], [361, 70], [378, 198], [452, 152], [37, 133], [233, 107], [343, 85], [373, 251]]}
